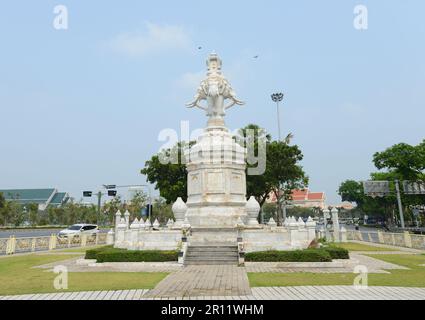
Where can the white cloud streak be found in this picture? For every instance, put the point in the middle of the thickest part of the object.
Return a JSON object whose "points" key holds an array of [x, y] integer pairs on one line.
{"points": [[155, 39]]}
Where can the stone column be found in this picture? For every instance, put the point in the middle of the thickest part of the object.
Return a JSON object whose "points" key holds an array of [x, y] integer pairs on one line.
{"points": [[293, 232], [117, 219], [127, 218], [335, 223], [110, 237], [134, 231], [343, 234], [311, 229]]}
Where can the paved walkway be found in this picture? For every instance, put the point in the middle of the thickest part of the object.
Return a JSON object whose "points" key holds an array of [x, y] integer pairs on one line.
{"points": [[266, 293], [225, 280]]}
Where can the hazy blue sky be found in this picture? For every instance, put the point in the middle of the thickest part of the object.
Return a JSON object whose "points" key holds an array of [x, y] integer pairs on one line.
{"points": [[83, 107]]}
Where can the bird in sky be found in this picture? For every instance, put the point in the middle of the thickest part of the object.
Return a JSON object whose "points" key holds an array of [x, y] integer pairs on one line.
{"points": [[255, 57]]}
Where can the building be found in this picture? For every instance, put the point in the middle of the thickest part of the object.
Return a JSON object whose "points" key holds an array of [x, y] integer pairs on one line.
{"points": [[43, 197], [304, 198]]}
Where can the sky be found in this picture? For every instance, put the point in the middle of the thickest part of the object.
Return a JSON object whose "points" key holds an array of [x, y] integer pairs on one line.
{"points": [[83, 106]]}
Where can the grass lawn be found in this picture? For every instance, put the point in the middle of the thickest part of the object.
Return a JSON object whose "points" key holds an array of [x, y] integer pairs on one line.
{"points": [[415, 277], [352, 246], [17, 277]]}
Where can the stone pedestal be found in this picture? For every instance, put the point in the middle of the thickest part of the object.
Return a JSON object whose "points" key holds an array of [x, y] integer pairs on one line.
{"points": [[216, 180]]}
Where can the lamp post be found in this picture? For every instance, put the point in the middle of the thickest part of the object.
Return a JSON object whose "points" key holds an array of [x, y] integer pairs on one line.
{"points": [[278, 97]]}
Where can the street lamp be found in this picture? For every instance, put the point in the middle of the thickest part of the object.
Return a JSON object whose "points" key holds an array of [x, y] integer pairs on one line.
{"points": [[278, 97]]}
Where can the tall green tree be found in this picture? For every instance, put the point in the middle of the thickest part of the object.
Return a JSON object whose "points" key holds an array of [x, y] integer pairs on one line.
{"points": [[167, 170]]}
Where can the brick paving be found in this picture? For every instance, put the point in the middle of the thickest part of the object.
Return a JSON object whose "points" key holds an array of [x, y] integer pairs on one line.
{"points": [[265, 293], [214, 280]]}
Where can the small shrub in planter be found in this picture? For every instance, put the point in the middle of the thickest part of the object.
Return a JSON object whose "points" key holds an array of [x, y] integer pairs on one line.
{"points": [[307, 255]]}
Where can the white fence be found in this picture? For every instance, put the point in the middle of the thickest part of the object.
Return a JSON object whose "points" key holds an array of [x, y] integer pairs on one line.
{"points": [[404, 239], [13, 245]]}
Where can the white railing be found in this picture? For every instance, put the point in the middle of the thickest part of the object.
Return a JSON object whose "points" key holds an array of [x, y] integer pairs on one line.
{"points": [[13, 245], [404, 239]]}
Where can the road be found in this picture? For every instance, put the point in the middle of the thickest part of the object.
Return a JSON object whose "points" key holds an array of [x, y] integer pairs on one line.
{"points": [[19, 233]]}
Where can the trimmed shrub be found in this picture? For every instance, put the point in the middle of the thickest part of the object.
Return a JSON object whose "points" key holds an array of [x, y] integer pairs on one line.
{"points": [[110, 254], [307, 255], [337, 252]]}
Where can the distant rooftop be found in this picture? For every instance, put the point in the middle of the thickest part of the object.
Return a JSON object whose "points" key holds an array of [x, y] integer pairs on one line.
{"points": [[42, 197]]}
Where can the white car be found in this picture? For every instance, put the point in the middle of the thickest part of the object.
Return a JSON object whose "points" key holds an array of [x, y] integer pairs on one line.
{"points": [[79, 229]]}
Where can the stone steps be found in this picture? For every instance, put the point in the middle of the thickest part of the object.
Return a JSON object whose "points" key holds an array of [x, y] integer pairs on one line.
{"points": [[211, 255]]}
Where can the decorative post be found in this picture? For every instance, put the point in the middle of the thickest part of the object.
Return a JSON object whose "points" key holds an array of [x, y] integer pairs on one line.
{"points": [[179, 209], [325, 223], [343, 234], [311, 229], [117, 219], [335, 223], [134, 230], [127, 218], [110, 237]]}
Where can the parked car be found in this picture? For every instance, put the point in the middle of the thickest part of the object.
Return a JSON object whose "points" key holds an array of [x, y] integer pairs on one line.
{"points": [[79, 229]]}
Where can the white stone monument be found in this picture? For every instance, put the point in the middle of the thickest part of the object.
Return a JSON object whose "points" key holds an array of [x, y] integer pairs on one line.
{"points": [[216, 163], [217, 211]]}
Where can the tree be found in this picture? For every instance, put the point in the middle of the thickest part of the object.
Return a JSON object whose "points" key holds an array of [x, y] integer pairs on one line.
{"points": [[352, 191], [258, 186], [170, 178], [32, 209], [284, 172], [137, 202], [405, 161]]}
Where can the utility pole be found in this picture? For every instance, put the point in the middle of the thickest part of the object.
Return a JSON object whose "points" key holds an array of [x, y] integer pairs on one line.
{"points": [[400, 206]]}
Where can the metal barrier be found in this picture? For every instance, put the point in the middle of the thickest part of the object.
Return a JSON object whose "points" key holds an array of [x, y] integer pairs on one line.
{"points": [[13, 245]]}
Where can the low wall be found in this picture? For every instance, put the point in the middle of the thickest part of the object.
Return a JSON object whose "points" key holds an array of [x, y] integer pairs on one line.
{"points": [[14, 245], [388, 238]]}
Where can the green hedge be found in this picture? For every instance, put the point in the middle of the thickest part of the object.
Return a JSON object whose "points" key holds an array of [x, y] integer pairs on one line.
{"points": [[110, 254], [337, 253], [307, 255]]}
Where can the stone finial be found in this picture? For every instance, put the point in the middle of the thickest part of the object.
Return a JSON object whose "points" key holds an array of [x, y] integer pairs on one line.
{"points": [[156, 223], [135, 224], [148, 224], [301, 222], [170, 223], [252, 208], [141, 223], [126, 213], [239, 222], [334, 210], [118, 214], [272, 223], [179, 209], [310, 223]]}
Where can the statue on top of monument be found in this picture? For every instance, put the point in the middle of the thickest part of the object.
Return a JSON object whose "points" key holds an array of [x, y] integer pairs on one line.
{"points": [[214, 89]]}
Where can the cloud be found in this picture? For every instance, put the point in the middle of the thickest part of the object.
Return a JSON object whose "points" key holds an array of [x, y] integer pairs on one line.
{"points": [[155, 39], [190, 80]]}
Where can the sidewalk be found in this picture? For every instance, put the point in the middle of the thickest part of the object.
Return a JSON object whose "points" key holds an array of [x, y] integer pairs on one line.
{"points": [[265, 293]]}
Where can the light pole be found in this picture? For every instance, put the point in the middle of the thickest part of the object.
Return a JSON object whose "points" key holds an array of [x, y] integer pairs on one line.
{"points": [[278, 97]]}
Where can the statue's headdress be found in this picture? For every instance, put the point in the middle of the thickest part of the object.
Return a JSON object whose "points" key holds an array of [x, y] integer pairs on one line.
{"points": [[213, 57]]}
